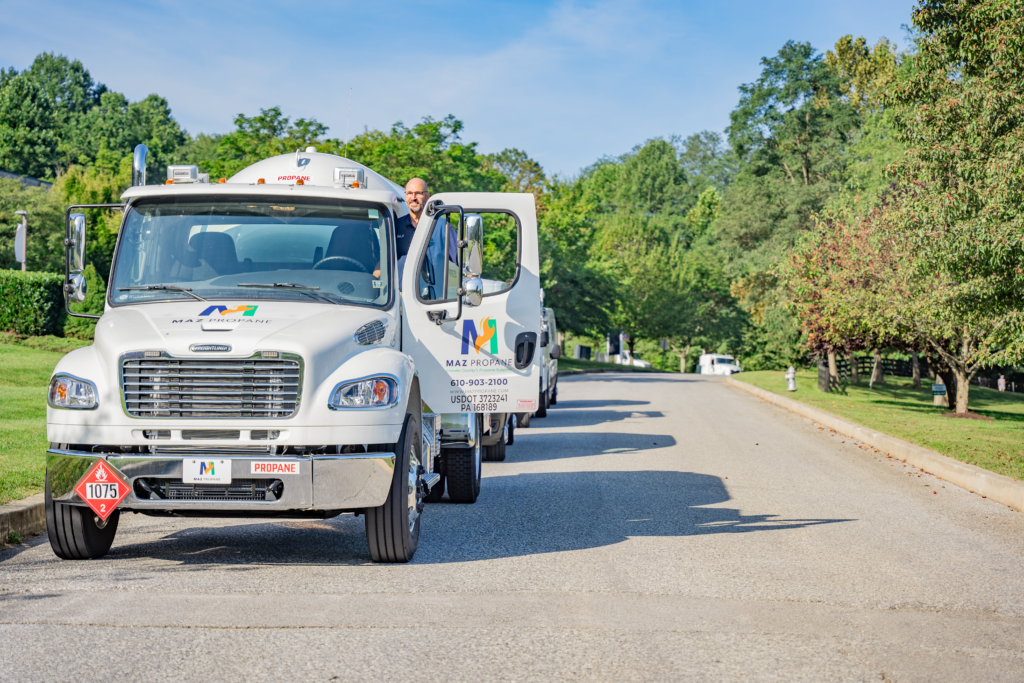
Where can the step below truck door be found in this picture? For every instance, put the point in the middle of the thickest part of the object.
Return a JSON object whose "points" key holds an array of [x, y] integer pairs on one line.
{"points": [[474, 358]]}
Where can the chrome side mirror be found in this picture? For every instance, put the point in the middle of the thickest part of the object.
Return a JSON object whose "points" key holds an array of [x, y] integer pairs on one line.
{"points": [[76, 245], [473, 263], [139, 165], [76, 288], [472, 291]]}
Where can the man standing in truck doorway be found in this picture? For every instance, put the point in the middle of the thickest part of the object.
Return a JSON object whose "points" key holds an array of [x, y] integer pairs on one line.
{"points": [[416, 195]]}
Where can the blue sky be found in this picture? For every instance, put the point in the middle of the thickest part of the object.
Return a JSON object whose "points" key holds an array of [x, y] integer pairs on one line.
{"points": [[567, 81]]}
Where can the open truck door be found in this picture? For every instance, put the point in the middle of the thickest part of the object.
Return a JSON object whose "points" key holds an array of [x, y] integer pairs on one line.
{"points": [[472, 316]]}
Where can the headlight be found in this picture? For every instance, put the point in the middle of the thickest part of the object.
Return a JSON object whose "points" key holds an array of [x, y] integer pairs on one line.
{"points": [[71, 392], [376, 392]]}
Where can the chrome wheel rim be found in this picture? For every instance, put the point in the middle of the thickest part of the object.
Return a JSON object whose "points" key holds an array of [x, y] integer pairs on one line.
{"points": [[413, 511]]}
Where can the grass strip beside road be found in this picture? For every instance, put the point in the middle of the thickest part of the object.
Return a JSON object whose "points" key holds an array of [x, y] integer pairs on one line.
{"points": [[898, 409], [24, 377]]}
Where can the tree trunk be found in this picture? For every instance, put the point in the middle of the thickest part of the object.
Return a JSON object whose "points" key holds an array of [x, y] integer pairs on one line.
{"points": [[833, 371], [682, 359], [854, 372], [963, 390], [948, 377], [877, 376], [915, 369]]}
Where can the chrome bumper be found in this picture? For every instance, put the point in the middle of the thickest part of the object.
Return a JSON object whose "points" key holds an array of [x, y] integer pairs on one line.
{"points": [[325, 482]]}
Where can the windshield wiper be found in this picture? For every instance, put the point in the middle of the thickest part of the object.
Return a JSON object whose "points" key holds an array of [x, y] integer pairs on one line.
{"points": [[173, 288], [304, 289]]}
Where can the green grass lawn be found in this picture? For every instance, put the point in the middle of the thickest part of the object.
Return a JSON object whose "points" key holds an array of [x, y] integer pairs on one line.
{"points": [[24, 376], [899, 410]]}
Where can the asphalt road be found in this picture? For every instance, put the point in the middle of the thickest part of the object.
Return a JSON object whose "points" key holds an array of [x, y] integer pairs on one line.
{"points": [[651, 528]]}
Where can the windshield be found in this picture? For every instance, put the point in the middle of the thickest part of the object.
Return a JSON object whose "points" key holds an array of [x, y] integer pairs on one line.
{"points": [[326, 250]]}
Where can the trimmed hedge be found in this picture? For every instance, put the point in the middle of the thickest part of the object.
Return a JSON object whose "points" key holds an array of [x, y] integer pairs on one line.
{"points": [[31, 304]]}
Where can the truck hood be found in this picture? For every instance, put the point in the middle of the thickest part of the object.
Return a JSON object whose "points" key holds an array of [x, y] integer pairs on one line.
{"points": [[323, 334]]}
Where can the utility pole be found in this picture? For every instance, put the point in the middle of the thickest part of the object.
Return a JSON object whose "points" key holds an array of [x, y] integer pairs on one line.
{"points": [[20, 243]]}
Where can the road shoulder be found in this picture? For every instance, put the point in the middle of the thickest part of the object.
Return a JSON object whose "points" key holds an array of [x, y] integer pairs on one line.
{"points": [[987, 484]]}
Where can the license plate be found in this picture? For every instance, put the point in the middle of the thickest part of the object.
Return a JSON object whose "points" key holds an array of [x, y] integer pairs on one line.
{"points": [[210, 471]]}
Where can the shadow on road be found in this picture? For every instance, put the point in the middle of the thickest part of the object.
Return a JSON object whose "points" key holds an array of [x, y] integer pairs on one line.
{"points": [[533, 445], [585, 418], [588, 404], [516, 516]]}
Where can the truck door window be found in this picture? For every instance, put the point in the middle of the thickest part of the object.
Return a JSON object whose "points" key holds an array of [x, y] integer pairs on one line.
{"points": [[501, 251]]}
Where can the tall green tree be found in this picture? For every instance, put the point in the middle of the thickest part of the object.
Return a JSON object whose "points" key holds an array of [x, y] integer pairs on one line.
{"points": [[957, 222], [790, 130], [29, 141], [432, 150]]}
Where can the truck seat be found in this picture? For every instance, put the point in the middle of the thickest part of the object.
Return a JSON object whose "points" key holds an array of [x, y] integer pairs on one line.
{"points": [[356, 242], [218, 250]]}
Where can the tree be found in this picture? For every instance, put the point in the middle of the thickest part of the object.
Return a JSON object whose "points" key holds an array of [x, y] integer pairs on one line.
{"points": [[28, 141], [270, 133], [708, 161], [956, 222], [431, 150]]}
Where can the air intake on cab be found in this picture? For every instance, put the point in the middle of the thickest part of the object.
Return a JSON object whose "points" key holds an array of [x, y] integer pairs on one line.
{"points": [[370, 333]]}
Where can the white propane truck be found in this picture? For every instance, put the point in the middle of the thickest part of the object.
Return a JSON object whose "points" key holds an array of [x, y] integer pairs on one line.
{"points": [[260, 355]]}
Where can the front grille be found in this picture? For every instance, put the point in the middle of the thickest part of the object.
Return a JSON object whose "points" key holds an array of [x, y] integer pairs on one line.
{"points": [[370, 333], [244, 387], [239, 489], [189, 434]]}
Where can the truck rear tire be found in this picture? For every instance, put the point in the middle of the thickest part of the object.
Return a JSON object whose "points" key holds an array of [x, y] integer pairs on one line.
{"points": [[512, 421], [542, 404], [554, 395], [495, 453], [75, 532], [462, 472], [525, 421], [393, 529]]}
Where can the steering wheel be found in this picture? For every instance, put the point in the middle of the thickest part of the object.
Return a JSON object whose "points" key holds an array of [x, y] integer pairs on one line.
{"points": [[359, 265]]}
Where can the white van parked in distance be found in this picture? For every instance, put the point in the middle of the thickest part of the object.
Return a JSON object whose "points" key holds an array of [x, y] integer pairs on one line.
{"points": [[718, 364]]}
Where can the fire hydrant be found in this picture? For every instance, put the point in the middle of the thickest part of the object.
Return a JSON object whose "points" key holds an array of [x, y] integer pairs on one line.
{"points": [[791, 378]]}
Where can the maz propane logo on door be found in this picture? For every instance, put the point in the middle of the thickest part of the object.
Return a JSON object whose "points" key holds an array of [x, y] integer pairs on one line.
{"points": [[247, 311], [477, 339]]}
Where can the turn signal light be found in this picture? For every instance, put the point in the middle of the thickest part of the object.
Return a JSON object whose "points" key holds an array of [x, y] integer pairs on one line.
{"points": [[169, 181], [299, 182], [222, 180], [261, 181]]}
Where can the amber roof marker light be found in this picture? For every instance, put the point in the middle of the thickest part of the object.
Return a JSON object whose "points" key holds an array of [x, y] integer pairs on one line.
{"points": [[261, 181]]}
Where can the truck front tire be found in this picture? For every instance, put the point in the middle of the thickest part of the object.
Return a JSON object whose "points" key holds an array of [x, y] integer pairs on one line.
{"points": [[75, 532], [393, 529]]}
